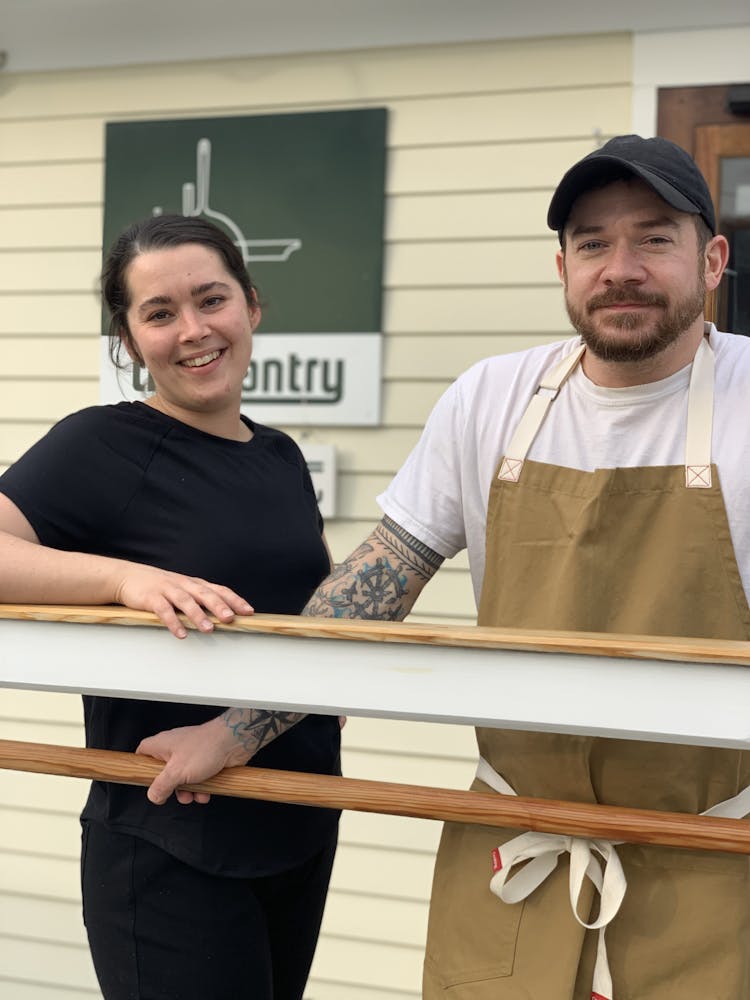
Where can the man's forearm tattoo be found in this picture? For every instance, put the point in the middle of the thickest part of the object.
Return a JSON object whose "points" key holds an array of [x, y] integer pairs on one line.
{"points": [[415, 555], [372, 586], [254, 728]]}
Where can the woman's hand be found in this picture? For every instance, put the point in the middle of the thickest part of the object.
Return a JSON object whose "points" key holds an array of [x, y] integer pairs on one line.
{"points": [[31, 573], [146, 588], [191, 754]]}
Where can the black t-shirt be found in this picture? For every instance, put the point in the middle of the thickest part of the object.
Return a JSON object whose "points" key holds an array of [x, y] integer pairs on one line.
{"points": [[128, 481]]}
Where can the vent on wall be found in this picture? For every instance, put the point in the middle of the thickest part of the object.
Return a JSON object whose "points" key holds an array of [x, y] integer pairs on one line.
{"points": [[738, 99]]}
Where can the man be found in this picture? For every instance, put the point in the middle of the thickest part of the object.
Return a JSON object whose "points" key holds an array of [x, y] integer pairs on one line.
{"points": [[598, 484]]}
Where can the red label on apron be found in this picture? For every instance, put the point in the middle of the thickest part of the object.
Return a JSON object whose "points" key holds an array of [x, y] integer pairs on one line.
{"points": [[497, 862]]}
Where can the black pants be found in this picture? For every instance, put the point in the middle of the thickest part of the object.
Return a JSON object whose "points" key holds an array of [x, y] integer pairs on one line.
{"points": [[161, 930]]}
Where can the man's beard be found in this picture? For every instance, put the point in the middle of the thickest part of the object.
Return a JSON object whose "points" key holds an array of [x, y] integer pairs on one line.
{"points": [[655, 335]]}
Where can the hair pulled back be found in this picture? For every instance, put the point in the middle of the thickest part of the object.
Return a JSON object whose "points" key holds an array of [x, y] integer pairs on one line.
{"points": [[160, 232]]}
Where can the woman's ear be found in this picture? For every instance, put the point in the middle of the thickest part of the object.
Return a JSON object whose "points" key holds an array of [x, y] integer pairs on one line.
{"points": [[126, 339], [254, 311]]}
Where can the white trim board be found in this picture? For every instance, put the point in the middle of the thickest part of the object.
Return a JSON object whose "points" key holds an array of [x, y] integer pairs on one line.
{"points": [[674, 702]]}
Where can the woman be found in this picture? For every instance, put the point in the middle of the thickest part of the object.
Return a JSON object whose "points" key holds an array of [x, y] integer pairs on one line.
{"points": [[142, 504]]}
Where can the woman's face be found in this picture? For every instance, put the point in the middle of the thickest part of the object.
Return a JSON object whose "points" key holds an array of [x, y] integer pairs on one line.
{"points": [[192, 327]]}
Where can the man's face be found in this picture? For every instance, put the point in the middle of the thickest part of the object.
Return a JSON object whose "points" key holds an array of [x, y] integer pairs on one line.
{"points": [[633, 276]]}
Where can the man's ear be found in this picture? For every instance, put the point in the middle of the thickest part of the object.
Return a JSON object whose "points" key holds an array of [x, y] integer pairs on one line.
{"points": [[560, 261], [715, 261]]}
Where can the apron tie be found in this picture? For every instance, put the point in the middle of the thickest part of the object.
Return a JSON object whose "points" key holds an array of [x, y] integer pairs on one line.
{"points": [[541, 851]]}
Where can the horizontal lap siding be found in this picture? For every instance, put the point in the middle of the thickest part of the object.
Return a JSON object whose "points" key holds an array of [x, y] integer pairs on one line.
{"points": [[478, 136], [377, 910]]}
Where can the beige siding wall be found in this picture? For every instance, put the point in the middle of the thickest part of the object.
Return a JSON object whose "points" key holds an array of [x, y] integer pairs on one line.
{"points": [[478, 136]]}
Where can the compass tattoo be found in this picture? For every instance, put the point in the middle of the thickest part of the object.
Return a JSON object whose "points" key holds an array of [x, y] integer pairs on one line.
{"points": [[380, 580]]}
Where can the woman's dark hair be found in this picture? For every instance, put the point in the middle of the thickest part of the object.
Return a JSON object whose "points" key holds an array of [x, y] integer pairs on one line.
{"points": [[160, 232]]}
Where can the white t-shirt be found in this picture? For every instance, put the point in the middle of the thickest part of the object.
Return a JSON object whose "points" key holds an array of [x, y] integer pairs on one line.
{"points": [[440, 494]]}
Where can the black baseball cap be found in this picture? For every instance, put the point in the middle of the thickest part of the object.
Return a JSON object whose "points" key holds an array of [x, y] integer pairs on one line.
{"points": [[662, 164]]}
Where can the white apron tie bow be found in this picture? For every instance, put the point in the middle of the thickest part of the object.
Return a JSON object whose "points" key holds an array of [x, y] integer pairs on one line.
{"points": [[542, 850]]}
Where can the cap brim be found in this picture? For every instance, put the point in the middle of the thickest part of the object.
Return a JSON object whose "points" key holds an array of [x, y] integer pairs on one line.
{"points": [[579, 178]]}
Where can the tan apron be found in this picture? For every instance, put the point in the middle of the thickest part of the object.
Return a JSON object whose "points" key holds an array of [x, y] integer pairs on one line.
{"points": [[644, 551]]}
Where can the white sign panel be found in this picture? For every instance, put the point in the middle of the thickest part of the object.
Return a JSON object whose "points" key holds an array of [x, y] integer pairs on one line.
{"points": [[294, 379]]}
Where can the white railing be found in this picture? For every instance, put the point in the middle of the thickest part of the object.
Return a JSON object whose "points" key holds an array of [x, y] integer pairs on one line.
{"points": [[666, 690]]}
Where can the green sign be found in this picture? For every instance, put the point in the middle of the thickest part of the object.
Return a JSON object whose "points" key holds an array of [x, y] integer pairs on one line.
{"points": [[302, 195]]}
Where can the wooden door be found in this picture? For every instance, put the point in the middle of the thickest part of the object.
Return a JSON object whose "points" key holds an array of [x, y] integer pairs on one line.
{"points": [[723, 154], [701, 121]]}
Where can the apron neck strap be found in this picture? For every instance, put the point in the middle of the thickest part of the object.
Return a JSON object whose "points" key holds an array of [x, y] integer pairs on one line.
{"points": [[700, 418], [699, 423], [528, 427]]}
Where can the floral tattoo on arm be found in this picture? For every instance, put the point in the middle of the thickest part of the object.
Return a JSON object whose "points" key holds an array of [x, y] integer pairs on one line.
{"points": [[378, 581], [253, 728]]}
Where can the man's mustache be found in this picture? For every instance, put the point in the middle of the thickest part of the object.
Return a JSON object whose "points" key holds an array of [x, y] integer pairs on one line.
{"points": [[617, 296]]}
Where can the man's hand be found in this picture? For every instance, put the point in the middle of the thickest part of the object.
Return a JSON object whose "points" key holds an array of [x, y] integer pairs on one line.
{"points": [[146, 588], [191, 754], [196, 753]]}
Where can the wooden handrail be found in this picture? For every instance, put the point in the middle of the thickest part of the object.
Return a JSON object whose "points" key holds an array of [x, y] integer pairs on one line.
{"points": [[637, 826], [669, 648]]}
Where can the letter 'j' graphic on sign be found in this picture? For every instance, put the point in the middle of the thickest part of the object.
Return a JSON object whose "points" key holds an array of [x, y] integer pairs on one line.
{"points": [[195, 198]]}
